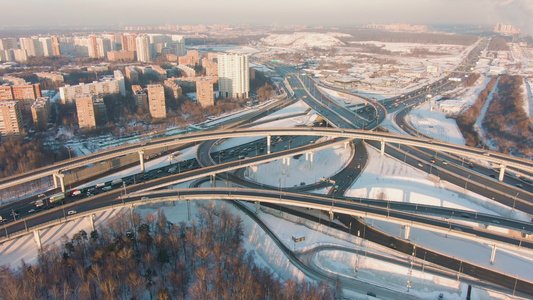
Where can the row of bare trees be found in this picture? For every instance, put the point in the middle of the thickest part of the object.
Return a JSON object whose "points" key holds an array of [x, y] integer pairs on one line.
{"points": [[467, 119], [141, 258]]}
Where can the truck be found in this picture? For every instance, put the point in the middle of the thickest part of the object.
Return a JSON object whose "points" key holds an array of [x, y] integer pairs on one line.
{"points": [[116, 181], [57, 197]]}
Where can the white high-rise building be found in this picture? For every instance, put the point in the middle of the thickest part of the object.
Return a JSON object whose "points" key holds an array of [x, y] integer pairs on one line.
{"points": [[142, 43], [178, 44], [32, 46], [234, 75], [46, 43]]}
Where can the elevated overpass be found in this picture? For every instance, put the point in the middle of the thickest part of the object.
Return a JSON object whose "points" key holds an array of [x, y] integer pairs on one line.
{"points": [[139, 148]]}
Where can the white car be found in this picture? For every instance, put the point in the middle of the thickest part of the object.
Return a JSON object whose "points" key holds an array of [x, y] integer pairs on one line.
{"points": [[71, 212], [145, 198]]}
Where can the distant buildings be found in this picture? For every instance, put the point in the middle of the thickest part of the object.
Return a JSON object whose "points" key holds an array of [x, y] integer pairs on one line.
{"points": [[156, 101], [398, 27], [140, 97], [91, 110], [25, 94], [173, 89], [121, 55], [40, 112], [106, 86], [10, 118], [205, 92], [234, 75], [144, 53], [506, 29], [56, 77], [188, 71]]}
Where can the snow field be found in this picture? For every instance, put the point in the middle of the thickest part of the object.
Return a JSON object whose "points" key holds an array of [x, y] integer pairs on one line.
{"points": [[327, 162]]}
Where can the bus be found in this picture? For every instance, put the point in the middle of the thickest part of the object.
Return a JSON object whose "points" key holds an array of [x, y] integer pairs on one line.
{"points": [[57, 197]]}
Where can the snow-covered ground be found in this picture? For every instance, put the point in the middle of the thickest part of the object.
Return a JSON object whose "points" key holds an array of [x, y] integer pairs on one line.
{"points": [[303, 40], [326, 163], [428, 119]]}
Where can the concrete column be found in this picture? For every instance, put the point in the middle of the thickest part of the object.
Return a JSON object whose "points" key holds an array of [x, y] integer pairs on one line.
{"points": [[346, 145], [493, 254], [213, 180], [331, 215], [254, 172], [383, 148], [283, 167], [37, 238], [288, 165], [55, 180], [141, 159], [188, 210], [407, 232], [502, 172], [91, 218], [269, 141], [62, 181], [257, 207], [311, 156]]}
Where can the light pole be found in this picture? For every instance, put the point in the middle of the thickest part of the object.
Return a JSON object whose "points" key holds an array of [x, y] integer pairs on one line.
{"points": [[466, 181]]}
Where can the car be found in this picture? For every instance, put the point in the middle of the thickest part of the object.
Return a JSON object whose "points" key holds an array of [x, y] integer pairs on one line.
{"points": [[492, 175], [41, 195], [495, 221], [486, 153], [444, 162], [359, 166], [145, 198], [31, 211], [371, 294], [420, 165], [71, 212], [432, 161], [520, 185]]}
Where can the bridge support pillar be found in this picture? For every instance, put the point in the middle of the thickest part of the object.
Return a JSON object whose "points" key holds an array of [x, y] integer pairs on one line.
{"points": [[502, 172], [383, 148], [288, 165], [493, 254], [331, 215], [55, 180], [37, 238], [141, 160], [283, 167], [346, 145], [407, 232], [254, 172], [62, 181], [188, 210], [257, 207], [91, 219], [311, 158], [269, 141], [212, 180]]}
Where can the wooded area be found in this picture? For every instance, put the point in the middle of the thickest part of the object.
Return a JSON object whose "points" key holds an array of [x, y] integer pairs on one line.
{"points": [[145, 258], [506, 121], [467, 119], [18, 155]]}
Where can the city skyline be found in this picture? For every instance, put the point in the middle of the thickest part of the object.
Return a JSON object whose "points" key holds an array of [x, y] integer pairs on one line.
{"points": [[336, 12]]}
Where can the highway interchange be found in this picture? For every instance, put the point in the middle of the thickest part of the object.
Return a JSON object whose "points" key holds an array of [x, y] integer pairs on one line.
{"points": [[347, 123]]}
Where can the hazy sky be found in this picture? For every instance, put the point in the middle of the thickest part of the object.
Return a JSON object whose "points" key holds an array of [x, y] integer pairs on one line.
{"points": [[146, 12]]}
